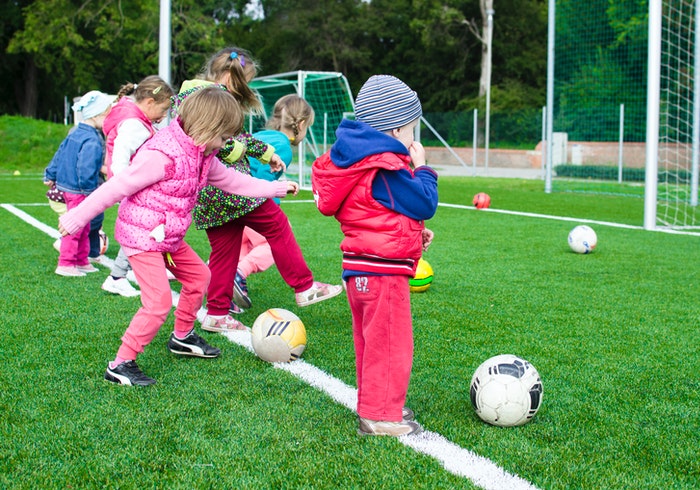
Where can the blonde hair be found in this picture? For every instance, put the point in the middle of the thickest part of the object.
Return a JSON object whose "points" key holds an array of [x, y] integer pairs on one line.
{"points": [[241, 68], [151, 87], [209, 113], [288, 112]]}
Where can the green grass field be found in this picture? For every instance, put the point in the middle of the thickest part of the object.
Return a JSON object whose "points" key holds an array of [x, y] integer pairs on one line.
{"points": [[613, 335]]}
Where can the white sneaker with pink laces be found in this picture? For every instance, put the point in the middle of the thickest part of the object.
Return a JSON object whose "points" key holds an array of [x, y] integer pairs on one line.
{"points": [[222, 323], [318, 292]]}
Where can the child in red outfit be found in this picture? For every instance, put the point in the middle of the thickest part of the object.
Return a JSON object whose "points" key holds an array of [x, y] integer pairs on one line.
{"points": [[157, 193], [375, 182]]}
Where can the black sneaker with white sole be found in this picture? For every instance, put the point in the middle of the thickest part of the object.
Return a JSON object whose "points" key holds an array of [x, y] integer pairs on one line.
{"points": [[128, 373], [192, 345]]}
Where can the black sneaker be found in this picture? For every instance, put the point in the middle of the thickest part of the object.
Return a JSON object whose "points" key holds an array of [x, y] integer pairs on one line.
{"points": [[128, 373], [240, 292], [192, 345]]}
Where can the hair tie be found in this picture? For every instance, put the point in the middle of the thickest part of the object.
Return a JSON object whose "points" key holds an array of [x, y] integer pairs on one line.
{"points": [[156, 90], [136, 85], [235, 55]]}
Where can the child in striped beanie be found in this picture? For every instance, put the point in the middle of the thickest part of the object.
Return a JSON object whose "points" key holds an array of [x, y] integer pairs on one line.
{"points": [[375, 182]]}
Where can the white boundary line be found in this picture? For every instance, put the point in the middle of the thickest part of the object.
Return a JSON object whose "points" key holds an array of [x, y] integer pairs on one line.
{"points": [[455, 459]]}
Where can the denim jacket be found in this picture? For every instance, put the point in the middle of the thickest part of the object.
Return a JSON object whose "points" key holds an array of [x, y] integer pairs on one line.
{"points": [[75, 167]]}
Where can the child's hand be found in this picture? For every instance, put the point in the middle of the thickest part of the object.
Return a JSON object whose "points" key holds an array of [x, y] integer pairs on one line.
{"points": [[276, 164], [417, 153], [62, 230], [292, 188], [49, 183], [427, 238]]}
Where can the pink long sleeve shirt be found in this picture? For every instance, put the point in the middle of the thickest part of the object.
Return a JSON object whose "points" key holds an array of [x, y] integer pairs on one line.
{"points": [[149, 168]]}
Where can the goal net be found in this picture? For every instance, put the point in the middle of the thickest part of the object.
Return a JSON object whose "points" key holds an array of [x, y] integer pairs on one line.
{"points": [[330, 96], [678, 125]]}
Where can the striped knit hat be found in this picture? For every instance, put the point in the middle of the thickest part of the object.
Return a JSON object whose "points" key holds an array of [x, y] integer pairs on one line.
{"points": [[385, 103]]}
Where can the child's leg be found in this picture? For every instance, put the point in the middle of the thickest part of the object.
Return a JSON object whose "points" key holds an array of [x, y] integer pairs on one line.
{"points": [[75, 247], [94, 236], [194, 275], [256, 255], [121, 265], [225, 241], [156, 302], [269, 220], [383, 337]]}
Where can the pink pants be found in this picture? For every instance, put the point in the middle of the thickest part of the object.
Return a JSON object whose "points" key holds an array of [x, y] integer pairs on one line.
{"points": [[383, 336], [225, 240], [156, 297], [75, 248], [256, 254]]}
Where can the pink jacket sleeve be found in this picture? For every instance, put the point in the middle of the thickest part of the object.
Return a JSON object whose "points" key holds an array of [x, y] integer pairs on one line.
{"points": [[146, 169], [234, 182]]}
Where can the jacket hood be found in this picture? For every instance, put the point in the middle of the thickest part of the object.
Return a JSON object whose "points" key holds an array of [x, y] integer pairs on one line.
{"points": [[357, 140]]}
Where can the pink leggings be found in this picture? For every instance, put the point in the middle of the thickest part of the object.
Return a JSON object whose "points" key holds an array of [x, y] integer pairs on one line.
{"points": [[383, 336], [75, 248], [256, 254], [156, 296]]}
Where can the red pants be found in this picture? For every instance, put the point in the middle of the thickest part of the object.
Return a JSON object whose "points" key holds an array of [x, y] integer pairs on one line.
{"points": [[383, 336], [156, 297], [225, 240]]}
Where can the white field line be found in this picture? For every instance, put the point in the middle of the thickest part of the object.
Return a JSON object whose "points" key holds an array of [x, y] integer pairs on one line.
{"points": [[455, 459]]}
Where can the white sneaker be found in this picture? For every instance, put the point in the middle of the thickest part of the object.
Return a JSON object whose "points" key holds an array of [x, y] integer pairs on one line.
{"points": [[383, 428], [318, 292], [69, 271], [87, 269], [99, 260], [120, 286], [222, 323]]}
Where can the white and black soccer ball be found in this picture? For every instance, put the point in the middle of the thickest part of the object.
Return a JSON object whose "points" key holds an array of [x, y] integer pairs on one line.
{"points": [[506, 391], [582, 239], [278, 335]]}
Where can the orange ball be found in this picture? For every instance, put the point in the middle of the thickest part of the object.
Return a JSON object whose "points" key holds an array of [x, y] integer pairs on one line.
{"points": [[482, 200]]}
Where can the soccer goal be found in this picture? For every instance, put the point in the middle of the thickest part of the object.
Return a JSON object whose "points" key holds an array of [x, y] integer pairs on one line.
{"points": [[673, 116], [623, 101], [330, 96]]}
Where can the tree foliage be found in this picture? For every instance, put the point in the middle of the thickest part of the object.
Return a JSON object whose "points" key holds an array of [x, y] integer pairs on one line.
{"points": [[73, 46]]}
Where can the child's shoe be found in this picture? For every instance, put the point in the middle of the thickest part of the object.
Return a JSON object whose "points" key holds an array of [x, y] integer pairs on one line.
{"points": [[128, 373], [235, 309], [120, 286], [240, 292], [69, 271], [192, 345], [87, 269], [221, 323], [383, 428], [99, 260], [318, 292]]}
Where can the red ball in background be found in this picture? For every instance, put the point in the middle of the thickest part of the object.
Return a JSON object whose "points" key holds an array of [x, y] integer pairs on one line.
{"points": [[482, 200]]}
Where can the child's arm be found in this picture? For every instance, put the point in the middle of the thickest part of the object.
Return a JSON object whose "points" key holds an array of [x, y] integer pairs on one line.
{"points": [[256, 148], [412, 195], [131, 135], [147, 168], [234, 182]]}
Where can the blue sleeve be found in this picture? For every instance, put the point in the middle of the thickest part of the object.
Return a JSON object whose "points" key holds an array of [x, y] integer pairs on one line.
{"points": [[412, 195], [90, 159]]}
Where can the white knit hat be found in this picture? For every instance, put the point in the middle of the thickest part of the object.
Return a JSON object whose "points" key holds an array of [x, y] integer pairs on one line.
{"points": [[385, 103], [93, 104]]}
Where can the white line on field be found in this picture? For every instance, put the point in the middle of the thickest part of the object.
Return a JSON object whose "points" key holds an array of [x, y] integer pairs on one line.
{"points": [[455, 459]]}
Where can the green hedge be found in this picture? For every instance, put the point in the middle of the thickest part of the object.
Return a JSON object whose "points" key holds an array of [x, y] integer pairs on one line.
{"points": [[600, 172]]}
